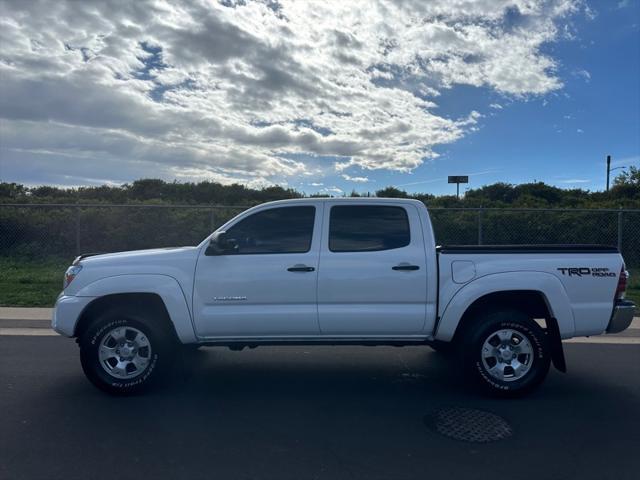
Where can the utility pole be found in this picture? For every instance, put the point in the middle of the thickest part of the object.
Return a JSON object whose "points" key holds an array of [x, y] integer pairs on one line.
{"points": [[609, 169]]}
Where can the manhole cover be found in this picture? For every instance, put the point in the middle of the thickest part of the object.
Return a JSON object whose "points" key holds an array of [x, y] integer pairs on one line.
{"points": [[469, 425]]}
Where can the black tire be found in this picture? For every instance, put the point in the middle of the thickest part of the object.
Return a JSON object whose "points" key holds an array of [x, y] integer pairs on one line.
{"points": [[535, 365], [161, 350]]}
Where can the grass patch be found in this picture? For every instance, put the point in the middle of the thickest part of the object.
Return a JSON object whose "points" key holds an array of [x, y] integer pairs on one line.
{"points": [[31, 283]]}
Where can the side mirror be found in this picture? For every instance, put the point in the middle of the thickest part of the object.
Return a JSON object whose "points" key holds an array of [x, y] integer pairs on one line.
{"points": [[221, 244]]}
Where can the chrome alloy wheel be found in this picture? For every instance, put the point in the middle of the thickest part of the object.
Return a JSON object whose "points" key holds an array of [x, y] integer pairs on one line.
{"points": [[124, 352], [507, 355]]}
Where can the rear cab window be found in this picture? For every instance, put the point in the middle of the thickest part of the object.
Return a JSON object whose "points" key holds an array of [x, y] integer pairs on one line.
{"points": [[368, 228]]}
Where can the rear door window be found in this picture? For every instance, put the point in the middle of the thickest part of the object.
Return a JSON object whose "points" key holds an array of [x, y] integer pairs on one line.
{"points": [[368, 228]]}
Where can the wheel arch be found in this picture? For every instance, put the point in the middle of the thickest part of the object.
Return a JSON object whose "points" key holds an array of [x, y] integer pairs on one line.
{"points": [[531, 302], [158, 294], [537, 293], [144, 302]]}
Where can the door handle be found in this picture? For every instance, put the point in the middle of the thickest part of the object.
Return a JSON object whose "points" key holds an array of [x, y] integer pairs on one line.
{"points": [[406, 267], [300, 268]]}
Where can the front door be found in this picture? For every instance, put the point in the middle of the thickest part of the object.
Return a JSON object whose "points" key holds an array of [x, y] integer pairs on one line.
{"points": [[373, 278], [268, 285]]}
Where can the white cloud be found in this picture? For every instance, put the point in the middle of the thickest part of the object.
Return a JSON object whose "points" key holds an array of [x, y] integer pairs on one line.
{"points": [[332, 190], [355, 179], [496, 106], [575, 180], [585, 75], [252, 91]]}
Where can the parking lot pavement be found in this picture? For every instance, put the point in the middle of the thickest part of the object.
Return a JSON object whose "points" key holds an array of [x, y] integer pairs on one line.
{"points": [[311, 412]]}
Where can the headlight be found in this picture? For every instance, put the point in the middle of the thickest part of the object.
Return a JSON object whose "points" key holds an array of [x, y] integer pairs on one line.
{"points": [[70, 274]]}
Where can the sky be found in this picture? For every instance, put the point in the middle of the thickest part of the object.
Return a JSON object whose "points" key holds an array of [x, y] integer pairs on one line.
{"points": [[320, 96]]}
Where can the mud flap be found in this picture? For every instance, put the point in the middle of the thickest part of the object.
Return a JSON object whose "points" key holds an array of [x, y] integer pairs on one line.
{"points": [[555, 342]]}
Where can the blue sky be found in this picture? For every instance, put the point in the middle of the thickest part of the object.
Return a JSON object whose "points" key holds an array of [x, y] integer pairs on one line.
{"points": [[560, 138], [322, 96]]}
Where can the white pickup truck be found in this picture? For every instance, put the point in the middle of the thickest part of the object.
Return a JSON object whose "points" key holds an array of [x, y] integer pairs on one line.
{"points": [[340, 272]]}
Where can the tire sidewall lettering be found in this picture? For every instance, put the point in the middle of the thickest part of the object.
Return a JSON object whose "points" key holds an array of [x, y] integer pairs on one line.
{"points": [[141, 379], [538, 356], [114, 323], [122, 385], [488, 379], [533, 339]]}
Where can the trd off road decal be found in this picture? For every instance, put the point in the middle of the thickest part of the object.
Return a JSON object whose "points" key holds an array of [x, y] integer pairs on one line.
{"points": [[586, 271]]}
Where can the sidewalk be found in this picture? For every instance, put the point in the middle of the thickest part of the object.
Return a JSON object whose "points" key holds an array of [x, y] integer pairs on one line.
{"points": [[37, 321], [26, 321], [7, 313]]}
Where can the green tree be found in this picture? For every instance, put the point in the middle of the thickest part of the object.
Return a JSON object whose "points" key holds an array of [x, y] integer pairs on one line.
{"points": [[627, 184], [12, 190], [391, 192], [631, 177]]}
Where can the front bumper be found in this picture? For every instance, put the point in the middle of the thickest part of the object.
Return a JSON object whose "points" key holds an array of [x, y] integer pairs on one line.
{"points": [[621, 317], [67, 312]]}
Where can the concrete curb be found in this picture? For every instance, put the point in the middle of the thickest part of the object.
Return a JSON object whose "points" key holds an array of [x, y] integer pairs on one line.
{"points": [[22, 313]]}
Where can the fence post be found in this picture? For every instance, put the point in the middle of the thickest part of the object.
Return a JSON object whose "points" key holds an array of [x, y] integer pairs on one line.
{"points": [[620, 230], [77, 230], [480, 226]]}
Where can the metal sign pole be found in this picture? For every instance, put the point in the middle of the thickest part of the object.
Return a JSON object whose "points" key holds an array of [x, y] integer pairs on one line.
{"points": [[458, 179]]}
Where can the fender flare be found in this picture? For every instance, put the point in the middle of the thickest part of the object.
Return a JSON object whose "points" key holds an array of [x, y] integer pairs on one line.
{"points": [[165, 286], [545, 283]]}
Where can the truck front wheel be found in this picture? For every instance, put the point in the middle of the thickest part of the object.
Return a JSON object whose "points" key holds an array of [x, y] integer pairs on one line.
{"points": [[124, 353], [506, 353]]}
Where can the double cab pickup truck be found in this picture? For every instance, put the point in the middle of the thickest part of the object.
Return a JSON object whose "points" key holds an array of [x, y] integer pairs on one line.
{"points": [[340, 272]]}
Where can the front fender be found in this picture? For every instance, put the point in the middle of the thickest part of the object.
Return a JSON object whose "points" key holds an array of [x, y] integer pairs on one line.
{"points": [[547, 284], [165, 286]]}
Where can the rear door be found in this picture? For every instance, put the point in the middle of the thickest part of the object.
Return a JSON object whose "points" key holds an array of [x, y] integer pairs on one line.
{"points": [[372, 278], [268, 287]]}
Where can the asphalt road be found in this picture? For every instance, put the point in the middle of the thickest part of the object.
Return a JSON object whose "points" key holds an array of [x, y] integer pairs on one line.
{"points": [[311, 412]]}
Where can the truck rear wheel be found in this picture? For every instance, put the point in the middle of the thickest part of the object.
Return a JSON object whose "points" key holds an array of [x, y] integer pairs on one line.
{"points": [[123, 352], [506, 353]]}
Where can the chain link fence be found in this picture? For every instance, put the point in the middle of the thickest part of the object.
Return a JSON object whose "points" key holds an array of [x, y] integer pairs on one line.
{"points": [[29, 231], [504, 226]]}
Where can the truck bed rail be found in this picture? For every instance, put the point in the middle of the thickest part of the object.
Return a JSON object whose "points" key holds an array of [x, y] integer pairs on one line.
{"points": [[489, 249]]}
